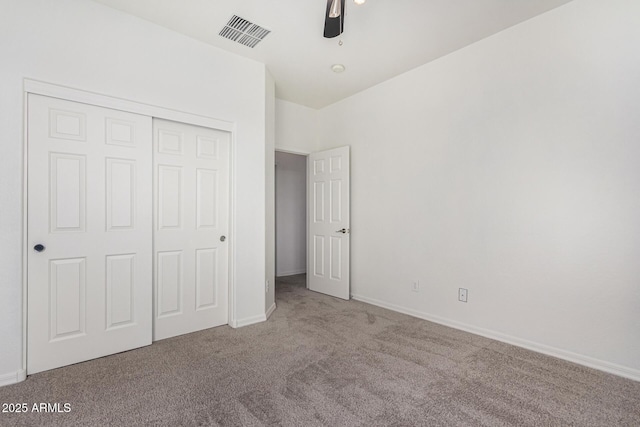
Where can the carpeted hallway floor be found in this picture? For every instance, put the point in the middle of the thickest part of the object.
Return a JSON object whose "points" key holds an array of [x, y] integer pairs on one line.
{"points": [[324, 361]]}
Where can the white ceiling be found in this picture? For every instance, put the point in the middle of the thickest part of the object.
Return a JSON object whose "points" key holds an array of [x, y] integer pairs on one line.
{"points": [[382, 38]]}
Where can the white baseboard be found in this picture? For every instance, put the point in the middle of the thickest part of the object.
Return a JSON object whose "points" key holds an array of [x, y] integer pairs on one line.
{"points": [[601, 365], [13, 378], [239, 323], [291, 273], [270, 310]]}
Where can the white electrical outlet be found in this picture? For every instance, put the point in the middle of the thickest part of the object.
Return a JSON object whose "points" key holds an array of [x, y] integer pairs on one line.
{"points": [[415, 286], [462, 294]]}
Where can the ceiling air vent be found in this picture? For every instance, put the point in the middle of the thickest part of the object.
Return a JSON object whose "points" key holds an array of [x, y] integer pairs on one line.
{"points": [[244, 32]]}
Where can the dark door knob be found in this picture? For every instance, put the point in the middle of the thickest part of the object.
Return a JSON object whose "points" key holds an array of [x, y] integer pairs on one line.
{"points": [[223, 238], [39, 248]]}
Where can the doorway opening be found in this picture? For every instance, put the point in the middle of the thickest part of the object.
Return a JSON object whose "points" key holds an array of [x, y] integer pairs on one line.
{"points": [[312, 205], [291, 217]]}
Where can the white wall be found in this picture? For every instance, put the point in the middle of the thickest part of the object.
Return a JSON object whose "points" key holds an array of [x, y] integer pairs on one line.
{"points": [[296, 128], [296, 131], [291, 214], [88, 46], [509, 168]]}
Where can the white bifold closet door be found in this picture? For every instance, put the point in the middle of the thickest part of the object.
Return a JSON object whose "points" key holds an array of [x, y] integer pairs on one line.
{"points": [[89, 232], [191, 192]]}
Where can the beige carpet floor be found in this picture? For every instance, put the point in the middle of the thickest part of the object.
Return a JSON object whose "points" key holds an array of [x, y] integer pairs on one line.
{"points": [[323, 361]]}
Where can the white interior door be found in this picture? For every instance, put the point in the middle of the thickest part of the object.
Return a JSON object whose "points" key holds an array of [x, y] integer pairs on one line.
{"points": [[328, 234], [191, 186], [89, 231]]}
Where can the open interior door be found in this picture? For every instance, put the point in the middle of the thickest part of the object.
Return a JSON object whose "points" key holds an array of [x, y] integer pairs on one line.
{"points": [[328, 231]]}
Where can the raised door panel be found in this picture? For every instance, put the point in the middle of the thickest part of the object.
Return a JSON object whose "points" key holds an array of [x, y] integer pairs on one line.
{"points": [[318, 201], [206, 147], [169, 278], [318, 256], [170, 142], [121, 194], [67, 290], [335, 201], [120, 132], [206, 278], [69, 125], [335, 254], [170, 198], [120, 286], [68, 197], [206, 196], [335, 163], [318, 167]]}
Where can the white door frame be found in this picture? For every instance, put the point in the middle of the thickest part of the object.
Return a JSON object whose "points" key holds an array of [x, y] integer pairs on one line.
{"points": [[101, 100]]}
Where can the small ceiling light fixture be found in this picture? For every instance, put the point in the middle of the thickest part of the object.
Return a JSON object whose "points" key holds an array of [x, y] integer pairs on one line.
{"points": [[359, 1], [337, 68], [336, 7]]}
